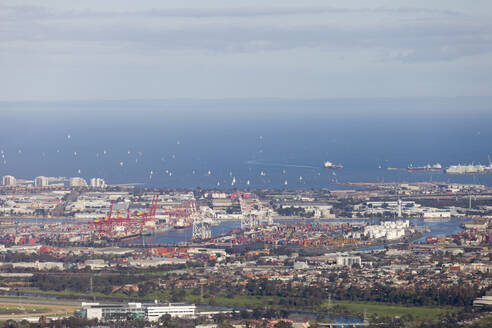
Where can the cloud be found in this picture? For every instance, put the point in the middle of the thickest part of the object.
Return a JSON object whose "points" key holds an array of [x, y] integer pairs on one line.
{"points": [[399, 34], [33, 12]]}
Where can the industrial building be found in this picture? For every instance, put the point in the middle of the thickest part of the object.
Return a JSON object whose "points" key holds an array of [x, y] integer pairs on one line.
{"points": [[346, 260], [389, 229], [8, 180], [483, 301], [97, 183], [148, 311], [41, 181], [77, 182]]}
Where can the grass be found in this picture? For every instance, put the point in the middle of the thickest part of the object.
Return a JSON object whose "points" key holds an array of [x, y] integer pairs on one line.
{"points": [[486, 321], [419, 313], [236, 301], [70, 293], [6, 309], [11, 309]]}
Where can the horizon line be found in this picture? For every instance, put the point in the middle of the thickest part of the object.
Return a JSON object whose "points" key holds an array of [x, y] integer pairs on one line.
{"points": [[240, 98]]}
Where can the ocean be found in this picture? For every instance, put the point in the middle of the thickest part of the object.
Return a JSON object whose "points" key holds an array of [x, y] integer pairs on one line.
{"points": [[245, 143]]}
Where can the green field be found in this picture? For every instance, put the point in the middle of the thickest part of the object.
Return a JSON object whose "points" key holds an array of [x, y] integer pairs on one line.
{"points": [[237, 301], [14, 308], [419, 313], [6, 309], [486, 321], [72, 293]]}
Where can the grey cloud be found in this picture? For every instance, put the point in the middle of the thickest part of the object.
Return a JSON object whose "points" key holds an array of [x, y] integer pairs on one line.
{"points": [[246, 12], [440, 36], [37, 12]]}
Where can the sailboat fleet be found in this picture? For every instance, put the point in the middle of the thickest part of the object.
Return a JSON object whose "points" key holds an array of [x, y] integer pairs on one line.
{"points": [[262, 174]]}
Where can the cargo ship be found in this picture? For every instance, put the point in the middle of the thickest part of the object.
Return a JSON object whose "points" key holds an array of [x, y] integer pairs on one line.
{"points": [[130, 237], [469, 169], [144, 233], [426, 168], [156, 231], [330, 165], [181, 224]]}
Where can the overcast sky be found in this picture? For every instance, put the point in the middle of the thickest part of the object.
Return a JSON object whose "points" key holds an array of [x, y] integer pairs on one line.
{"points": [[127, 49]]}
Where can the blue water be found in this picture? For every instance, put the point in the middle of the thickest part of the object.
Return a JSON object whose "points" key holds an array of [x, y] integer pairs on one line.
{"points": [[437, 228], [180, 141], [183, 235]]}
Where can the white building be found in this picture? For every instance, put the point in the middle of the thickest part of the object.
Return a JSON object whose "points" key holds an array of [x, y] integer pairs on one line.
{"points": [[78, 182], [437, 214], [98, 183], [41, 181], [8, 180], [180, 310], [35, 265], [300, 265], [348, 260], [143, 263], [484, 300], [149, 311], [388, 229]]}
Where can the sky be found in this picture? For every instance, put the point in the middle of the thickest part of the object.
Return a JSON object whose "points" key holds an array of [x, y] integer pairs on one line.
{"points": [[126, 49]]}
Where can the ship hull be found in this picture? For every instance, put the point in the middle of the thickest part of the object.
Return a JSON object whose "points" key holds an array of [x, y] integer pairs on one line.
{"points": [[416, 169], [334, 167], [157, 231], [130, 237]]}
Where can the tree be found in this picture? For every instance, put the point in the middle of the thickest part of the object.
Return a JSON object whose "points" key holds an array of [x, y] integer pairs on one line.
{"points": [[283, 324], [165, 320]]}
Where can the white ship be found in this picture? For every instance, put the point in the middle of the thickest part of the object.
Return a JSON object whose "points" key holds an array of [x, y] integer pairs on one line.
{"points": [[469, 169], [330, 165]]}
